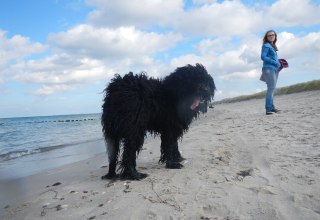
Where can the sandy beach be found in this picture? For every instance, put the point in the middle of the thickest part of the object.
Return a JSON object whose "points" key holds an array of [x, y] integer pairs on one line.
{"points": [[240, 164]]}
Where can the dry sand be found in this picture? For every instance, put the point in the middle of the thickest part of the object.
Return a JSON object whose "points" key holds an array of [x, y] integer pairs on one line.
{"points": [[241, 164]]}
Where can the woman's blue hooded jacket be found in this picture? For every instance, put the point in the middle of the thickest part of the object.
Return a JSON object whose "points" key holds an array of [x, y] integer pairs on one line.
{"points": [[269, 57]]}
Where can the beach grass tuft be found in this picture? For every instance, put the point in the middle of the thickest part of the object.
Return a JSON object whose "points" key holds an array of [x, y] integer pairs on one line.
{"points": [[300, 87]]}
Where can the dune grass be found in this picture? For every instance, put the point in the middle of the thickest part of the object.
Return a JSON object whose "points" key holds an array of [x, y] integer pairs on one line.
{"points": [[300, 87]]}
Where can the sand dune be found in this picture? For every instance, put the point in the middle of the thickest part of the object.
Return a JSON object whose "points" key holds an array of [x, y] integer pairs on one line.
{"points": [[241, 164]]}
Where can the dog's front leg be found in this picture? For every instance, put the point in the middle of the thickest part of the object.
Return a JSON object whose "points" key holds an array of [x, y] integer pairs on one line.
{"points": [[169, 152], [176, 153]]}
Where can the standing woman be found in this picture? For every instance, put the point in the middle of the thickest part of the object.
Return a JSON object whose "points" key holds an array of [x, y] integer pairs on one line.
{"points": [[270, 68]]}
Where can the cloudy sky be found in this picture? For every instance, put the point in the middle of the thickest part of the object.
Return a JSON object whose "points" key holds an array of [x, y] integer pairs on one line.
{"points": [[57, 56]]}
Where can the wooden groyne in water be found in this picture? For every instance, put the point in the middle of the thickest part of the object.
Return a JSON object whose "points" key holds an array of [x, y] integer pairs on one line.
{"points": [[67, 120]]}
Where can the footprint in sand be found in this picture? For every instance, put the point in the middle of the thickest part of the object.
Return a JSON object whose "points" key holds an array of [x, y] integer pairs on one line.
{"points": [[220, 157], [261, 190], [216, 211], [215, 192]]}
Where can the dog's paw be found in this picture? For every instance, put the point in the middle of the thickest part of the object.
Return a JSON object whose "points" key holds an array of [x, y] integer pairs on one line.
{"points": [[109, 176], [173, 165], [179, 159], [133, 176]]}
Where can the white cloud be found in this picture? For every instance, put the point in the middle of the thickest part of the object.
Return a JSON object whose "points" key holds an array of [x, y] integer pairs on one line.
{"points": [[302, 53], [85, 54], [290, 13], [253, 74], [17, 47], [292, 46], [200, 2], [14, 50], [206, 18], [54, 70], [214, 46], [119, 43], [220, 19], [49, 90], [234, 18], [233, 59], [60, 73], [139, 13]]}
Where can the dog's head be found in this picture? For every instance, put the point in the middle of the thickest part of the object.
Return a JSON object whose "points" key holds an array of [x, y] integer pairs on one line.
{"points": [[190, 86]]}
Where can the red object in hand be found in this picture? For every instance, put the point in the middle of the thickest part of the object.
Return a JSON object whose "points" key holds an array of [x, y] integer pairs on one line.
{"points": [[284, 64]]}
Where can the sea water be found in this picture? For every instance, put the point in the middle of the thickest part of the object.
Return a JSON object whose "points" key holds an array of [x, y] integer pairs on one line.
{"points": [[32, 144]]}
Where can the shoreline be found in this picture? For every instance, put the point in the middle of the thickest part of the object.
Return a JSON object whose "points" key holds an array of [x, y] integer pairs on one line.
{"points": [[240, 164], [37, 163], [20, 189]]}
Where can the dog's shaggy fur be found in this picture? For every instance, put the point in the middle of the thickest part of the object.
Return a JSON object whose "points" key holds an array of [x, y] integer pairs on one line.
{"points": [[135, 104]]}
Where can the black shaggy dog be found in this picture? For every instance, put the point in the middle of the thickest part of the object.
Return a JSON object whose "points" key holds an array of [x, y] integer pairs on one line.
{"points": [[135, 104]]}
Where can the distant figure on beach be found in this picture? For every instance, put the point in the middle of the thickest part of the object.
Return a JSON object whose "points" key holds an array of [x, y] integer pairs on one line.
{"points": [[270, 69], [204, 106]]}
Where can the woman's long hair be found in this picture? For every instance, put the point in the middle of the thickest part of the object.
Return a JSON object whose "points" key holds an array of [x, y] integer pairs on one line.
{"points": [[265, 39]]}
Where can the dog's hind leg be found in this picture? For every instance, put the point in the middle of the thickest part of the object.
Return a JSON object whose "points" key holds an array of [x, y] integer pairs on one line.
{"points": [[132, 145], [112, 145]]}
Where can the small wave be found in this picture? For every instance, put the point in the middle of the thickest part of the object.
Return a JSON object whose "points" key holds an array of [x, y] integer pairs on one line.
{"points": [[16, 154], [21, 153]]}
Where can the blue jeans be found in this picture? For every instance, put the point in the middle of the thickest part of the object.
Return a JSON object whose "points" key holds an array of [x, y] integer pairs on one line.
{"points": [[271, 77]]}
